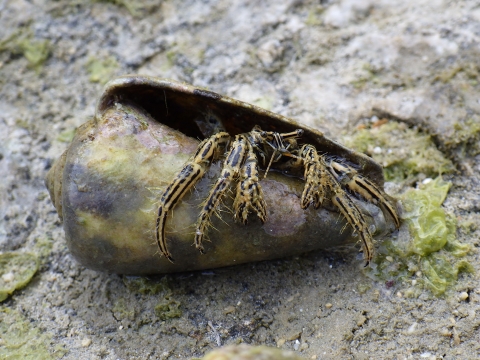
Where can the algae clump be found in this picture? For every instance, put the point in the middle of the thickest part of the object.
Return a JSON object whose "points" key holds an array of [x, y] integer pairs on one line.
{"points": [[23, 42], [248, 352], [16, 271], [426, 252], [144, 286], [403, 152], [67, 135], [101, 70], [121, 310], [21, 340], [35, 51], [426, 218], [136, 8], [167, 307]]}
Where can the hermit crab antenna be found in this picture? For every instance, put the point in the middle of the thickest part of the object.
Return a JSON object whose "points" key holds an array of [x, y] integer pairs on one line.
{"points": [[280, 143], [269, 164]]}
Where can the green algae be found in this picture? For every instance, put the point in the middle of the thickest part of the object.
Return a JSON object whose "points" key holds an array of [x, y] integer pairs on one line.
{"points": [[23, 42], [20, 339], [101, 70], [247, 352], [18, 268], [136, 8], [403, 152], [35, 51], [428, 255], [314, 16], [43, 248], [16, 271], [67, 135], [167, 307], [121, 310], [368, 75], [145, 286], [471, 71], [467, 134], [426, 218]]}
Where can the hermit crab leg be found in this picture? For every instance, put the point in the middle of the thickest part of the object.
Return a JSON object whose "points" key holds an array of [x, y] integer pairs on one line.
{"points": [[249, 192], [192, 171], [320, 177], [355, 218], [367, 189], [315, 179], [235, 159], [351, 212]]}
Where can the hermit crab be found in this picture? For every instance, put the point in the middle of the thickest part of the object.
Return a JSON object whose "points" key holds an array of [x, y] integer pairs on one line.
{"points": [[165, 167]]}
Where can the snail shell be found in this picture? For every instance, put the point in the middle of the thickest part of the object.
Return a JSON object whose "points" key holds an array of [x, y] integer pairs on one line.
{"points": [[106, 186]]}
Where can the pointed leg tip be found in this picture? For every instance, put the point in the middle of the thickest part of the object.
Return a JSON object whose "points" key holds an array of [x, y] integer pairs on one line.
{"points": [[168, 257], [200, 248]]}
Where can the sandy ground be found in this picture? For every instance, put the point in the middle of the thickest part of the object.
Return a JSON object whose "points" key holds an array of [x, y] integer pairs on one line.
{"points": [[333, 65]]}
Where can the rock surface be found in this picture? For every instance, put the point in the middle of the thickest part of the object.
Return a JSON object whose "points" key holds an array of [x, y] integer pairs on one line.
{"points": [[334, 65]]}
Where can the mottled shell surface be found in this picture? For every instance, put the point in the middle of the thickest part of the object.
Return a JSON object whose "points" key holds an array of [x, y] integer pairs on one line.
{"points": [[107, 185]]}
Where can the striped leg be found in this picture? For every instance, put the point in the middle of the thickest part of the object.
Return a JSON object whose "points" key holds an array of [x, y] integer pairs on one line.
{"points": [[368, 190], [207, 151], [355, 218], [249, 192], [352, 213], [321, 179], [231, 170], [315, 179]]}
